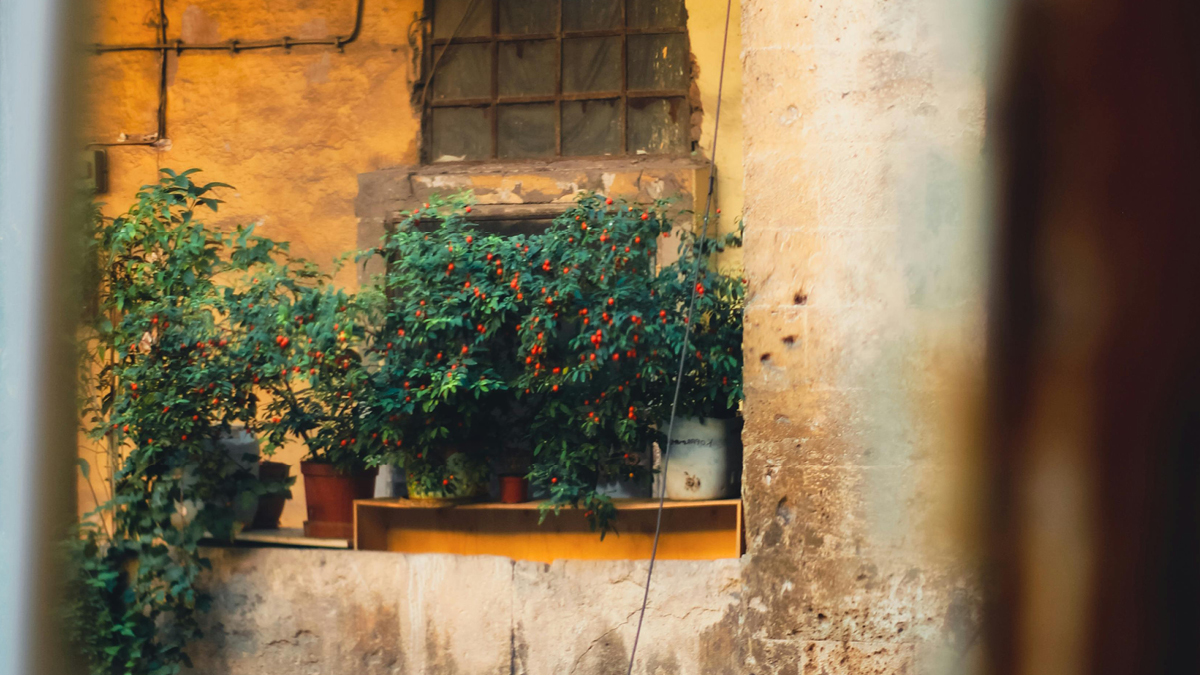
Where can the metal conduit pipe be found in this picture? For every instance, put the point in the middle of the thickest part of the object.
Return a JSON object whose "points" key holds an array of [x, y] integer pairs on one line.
{"points": [[235, 45], [179, 46]]}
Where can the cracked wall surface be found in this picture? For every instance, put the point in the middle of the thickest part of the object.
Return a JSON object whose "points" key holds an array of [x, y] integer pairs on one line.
{"points": [[863, 135], [312, 612]]}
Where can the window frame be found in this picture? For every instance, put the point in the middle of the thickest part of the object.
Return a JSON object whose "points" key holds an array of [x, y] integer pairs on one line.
{"points": [[492, 103]]}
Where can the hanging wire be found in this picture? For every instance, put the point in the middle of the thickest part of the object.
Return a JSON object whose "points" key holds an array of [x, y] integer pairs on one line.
{"points": [[700, 259]]}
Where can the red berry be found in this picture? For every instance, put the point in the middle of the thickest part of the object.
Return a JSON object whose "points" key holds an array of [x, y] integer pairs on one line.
{"points": [[554, 480]]}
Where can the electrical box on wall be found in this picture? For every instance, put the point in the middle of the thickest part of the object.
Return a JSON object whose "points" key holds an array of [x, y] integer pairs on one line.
{"points": [[94, 172]]}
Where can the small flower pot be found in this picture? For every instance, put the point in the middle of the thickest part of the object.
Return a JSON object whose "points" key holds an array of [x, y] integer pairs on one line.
{"points": [[514, 489], [330, 496], [470, 481], [270, 507]]}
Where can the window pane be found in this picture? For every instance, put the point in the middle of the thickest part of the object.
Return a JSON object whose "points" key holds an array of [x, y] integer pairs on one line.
{"points": [[591, 128], [525, 130], [655, 14], [522, 17], [460, 133], [658, 62], [592, 64], [464, 72], [657, 126], [527, 68], [591, 14], [447, 14]]}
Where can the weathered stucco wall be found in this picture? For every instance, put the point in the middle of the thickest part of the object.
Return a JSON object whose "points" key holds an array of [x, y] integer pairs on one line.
{"points": [[863, 126], [308, 612]]}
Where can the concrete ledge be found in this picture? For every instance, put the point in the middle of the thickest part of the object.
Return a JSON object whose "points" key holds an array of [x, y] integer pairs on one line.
{"points": [[329, 612]]}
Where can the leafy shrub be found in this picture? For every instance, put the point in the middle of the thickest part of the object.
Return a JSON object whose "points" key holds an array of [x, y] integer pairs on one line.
{"points": [[301, 341], [447, 350], [162, 386]]}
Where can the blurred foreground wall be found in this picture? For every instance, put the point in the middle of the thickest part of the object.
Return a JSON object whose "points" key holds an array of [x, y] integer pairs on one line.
{"points": [[864, 131]]}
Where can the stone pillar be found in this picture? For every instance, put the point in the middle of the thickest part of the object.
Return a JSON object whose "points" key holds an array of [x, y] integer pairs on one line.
{"points": [[863, 125]]}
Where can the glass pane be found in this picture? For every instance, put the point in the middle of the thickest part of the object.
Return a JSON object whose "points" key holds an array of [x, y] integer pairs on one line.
{"points": [[658, 62], [657, 126], [527, 68], [460, 133], [592, 64], [448, 13], [591, 127], [655, 14], [464, 72], [522, 17], [525, 130], [591, 14]]}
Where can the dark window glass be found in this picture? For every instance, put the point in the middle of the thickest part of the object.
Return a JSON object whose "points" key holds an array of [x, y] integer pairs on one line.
{"points": [[655, 13], [464, 72], [448, 13], [592, 64], [591, 127], [525, 130], [528, 17], [591, 14], [552, 78], [527, 68], [460, 134], [657, 126], [658, 62]]}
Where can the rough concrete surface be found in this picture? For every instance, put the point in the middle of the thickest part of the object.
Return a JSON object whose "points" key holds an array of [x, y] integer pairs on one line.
{"points": [[863, 131], [318, 612]]}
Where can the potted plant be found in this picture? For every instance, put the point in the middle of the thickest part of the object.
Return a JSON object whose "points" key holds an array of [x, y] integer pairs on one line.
{"points": [[302, 342], [705, 460], [160, 389], [586, 346], [447, 351], [275, 483]]}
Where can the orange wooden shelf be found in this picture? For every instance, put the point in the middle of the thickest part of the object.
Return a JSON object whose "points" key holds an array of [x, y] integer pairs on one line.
{"points": [[706, 530]]}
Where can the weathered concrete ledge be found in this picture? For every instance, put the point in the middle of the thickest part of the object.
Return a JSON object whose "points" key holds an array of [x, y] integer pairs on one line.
{"points": [[305, 612]]}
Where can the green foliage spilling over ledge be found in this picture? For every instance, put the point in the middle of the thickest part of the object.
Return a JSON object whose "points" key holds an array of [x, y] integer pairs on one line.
{"points": [[552, 356]]}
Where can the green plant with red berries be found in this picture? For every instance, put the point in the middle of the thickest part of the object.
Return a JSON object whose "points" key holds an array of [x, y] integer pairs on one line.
{"points": [[589, 351], [161, 388], [448, 346], [306, 346], [712, 375]]}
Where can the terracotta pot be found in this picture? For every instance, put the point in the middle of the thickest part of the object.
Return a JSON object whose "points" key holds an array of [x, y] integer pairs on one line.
{"points": [[330, 499], [514, 489], [270, 507]]}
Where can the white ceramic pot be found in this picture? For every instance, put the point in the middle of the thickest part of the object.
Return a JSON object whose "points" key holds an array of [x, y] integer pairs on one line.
{"points": [[705, 460]]}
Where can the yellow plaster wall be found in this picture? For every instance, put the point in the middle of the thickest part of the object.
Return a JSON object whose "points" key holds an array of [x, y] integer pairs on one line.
{"points": [[292, 130], [706, 29]]}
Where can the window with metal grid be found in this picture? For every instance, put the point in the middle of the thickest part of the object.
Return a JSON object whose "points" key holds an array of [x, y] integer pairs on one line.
{"points": [[513, 79]]}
